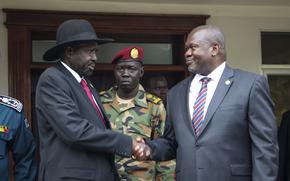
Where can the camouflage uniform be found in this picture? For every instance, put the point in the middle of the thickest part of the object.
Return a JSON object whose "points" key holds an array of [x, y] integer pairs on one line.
{"points": [[145, 117]]}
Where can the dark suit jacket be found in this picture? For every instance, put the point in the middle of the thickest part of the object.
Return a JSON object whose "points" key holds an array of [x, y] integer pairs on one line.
{"points": [[284, 148], [74, 143], [238, 141]]}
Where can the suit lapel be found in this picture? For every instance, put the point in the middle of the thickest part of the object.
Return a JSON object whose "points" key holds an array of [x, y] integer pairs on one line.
{"points": [[223, 86], [82, 93], [68, 75], [74, 81], [184, 91]]}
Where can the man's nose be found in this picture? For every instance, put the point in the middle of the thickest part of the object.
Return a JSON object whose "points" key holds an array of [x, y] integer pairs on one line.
{"points": [[125, 72], [188, 52], [94, 57]]}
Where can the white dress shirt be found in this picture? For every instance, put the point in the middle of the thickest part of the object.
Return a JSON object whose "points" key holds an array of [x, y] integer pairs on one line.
{"points": [[195, 87]]}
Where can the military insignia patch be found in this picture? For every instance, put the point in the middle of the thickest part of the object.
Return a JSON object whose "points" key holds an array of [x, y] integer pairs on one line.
{"points": [[157, 100], [11, 102], [4, 129], [134, 53], [105, 94], [153, 98], [149, 96], [102, 93]]}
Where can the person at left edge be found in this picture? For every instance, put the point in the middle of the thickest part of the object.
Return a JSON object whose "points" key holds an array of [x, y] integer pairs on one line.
{"points": [[76, 140], [15, 136]]}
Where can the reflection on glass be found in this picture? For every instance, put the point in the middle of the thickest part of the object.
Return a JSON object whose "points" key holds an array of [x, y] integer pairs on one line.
{"points": [[280, 93], [154, 53], [275, 47]]}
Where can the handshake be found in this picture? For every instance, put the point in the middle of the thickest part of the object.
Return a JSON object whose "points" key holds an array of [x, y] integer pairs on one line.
{"points": [[141, 151]]}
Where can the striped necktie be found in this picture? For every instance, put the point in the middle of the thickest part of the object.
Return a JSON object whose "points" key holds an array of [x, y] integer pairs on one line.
{"points": [[90, 95], [198, 108]]}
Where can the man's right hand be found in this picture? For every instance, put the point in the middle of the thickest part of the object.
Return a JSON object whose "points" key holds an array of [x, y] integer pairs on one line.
{"points": [[141, 151]]}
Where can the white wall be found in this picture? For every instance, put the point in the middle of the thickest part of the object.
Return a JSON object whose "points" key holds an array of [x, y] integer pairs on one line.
{"points": [[241, 25], [243, 41]]}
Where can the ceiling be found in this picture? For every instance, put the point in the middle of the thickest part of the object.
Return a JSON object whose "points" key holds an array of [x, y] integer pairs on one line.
{"points": [[210, 2]]}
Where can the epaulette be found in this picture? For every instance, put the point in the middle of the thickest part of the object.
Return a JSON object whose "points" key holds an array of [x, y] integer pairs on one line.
{"points": [[11, 102], [105, 96], [102, 93], [153, 98]]}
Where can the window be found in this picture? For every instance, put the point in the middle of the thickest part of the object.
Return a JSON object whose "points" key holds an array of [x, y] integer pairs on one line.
{"points": [[276, 67]]}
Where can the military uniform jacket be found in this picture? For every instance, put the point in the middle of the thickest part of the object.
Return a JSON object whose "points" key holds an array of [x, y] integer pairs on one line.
{"points": [[74, 143], [145, 117], [15, 136]]}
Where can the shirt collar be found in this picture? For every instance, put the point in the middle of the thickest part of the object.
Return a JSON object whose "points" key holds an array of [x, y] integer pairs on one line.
{"points": [[215, 74], [74, 73]]}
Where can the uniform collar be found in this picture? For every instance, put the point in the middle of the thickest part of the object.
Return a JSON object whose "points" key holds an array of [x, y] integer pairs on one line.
{"points": [[139, 100]]}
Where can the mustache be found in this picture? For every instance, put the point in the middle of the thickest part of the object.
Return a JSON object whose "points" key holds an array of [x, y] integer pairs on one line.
{"points": [[93, 62]]}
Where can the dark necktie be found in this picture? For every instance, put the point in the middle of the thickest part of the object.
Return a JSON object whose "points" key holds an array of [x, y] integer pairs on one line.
{"points": [[90, 95], [198, 108]]}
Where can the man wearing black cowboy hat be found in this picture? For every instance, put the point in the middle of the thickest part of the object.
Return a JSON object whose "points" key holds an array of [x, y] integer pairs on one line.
{"points": [[76, 140]]}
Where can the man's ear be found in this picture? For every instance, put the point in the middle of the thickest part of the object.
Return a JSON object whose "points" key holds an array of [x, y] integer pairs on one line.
{"points": [[141, 71], [68, 52], [215, 49]]}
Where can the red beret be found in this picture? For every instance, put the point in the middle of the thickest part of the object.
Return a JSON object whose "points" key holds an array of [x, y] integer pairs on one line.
{"points": [[133, 53]]}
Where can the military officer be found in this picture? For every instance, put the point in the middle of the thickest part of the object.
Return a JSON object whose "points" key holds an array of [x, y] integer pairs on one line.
{"points": [[15, 136], [134, 112]]}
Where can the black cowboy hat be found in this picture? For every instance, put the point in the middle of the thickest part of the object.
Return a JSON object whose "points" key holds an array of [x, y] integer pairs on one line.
{"points": [[73, 31]]}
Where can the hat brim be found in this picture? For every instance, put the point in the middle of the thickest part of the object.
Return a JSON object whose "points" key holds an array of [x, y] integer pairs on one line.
{"points": [[53, 53]]}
